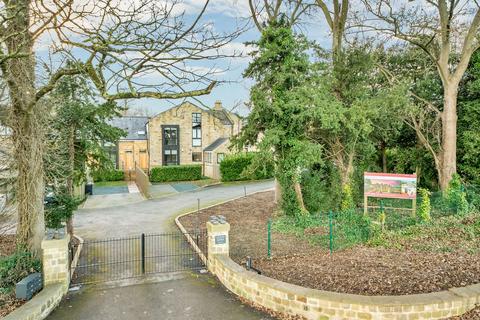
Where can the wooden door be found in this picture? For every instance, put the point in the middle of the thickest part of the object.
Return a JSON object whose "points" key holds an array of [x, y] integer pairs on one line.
{"points": [[129, 165], [142, 159]]}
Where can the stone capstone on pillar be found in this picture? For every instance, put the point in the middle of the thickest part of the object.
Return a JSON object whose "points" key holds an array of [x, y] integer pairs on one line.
{"points": [[55, 261]]}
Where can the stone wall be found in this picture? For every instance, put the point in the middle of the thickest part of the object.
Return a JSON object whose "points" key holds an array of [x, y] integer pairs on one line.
{"points": [[316, 304], [56, 279], [143, 182]]}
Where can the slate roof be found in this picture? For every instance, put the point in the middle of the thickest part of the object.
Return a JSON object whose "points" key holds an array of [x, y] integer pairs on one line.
{"points": [[215, 144], [134, 125], [221, 115]]}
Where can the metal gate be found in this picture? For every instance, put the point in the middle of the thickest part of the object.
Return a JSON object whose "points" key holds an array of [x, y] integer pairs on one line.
{"points": [[129, 257]]}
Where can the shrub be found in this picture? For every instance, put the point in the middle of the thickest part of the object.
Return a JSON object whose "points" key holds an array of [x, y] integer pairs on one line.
{"points": [[321, 189], [425, 207], [59, 209], [108, 175], [455, 196], [176, 173], [15, 267], [238, 167], [347, 198]]}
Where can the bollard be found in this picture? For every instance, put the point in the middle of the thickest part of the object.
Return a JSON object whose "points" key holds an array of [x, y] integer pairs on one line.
{"points": [[330, 223], [269, 238]]}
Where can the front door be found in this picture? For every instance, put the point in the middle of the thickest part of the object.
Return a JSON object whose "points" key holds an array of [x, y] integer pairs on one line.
{"points": [[171, 144]]}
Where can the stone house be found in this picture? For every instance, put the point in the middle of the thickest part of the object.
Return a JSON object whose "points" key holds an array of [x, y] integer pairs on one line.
{"points": [[131, 150], [188, 134], [184, 134]]}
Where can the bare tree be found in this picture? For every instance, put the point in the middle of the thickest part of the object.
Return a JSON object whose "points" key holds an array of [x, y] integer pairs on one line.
{"points": [[335, 13], [265, 11], [129, 49], [448, 32]]}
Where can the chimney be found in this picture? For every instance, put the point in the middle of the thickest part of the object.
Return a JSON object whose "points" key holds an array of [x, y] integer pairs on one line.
{"points": [[218, 105]]}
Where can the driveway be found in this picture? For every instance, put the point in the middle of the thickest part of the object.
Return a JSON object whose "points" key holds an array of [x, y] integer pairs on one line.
{"points": [[191, 297], [187, 295], [153, 216]]}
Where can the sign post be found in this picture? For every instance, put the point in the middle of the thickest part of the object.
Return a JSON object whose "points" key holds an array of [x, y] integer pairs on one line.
{"points": [[390, 185]]}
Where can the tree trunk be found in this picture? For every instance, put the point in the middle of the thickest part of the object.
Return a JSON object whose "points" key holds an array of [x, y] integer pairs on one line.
{"points": [[298, 191], [19, 73], [383, 150], [448, 156], [70, 182]]}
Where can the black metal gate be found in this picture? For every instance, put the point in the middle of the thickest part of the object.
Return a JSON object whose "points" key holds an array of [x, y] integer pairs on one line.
{"points": [[129, 257]]}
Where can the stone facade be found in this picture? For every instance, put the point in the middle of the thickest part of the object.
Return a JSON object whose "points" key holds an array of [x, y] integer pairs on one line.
{"points": [[215, 123], [316, 304], [132, 153]]}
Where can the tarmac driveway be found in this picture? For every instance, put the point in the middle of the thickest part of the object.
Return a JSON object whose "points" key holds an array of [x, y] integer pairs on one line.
{"points": [[196, 297], [187, 295], [154, 216]]}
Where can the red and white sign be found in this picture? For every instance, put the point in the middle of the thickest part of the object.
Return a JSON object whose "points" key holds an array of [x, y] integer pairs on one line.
{"points": [[390, 185]]}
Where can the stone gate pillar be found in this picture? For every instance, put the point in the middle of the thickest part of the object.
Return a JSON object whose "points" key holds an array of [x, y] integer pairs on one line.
{"points": [[218, 242], [55, 261]]}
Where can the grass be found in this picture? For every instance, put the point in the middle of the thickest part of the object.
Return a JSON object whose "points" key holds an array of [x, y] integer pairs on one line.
{"points": [[111, 183]]}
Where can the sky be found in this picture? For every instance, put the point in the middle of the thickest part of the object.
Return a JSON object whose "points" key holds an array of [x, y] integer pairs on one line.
{"points": [[233, 89]]}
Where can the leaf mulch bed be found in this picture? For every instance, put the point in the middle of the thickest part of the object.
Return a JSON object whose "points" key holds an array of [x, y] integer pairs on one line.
{"points": [[359, 270], [7, 245], [8, 303]]}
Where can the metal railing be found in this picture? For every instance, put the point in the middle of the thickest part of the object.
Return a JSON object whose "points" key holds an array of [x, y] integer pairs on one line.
{"points": [[129, 257]]}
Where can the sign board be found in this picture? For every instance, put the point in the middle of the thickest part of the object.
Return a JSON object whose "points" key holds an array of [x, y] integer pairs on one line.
{"points": [[390, 185], [221, 239]]}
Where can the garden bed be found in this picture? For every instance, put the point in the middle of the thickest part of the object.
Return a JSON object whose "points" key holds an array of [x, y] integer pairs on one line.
{"points": [[359, 270], [8, 302]]}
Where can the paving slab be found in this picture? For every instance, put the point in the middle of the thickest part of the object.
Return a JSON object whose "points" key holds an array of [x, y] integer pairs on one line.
{"points": [[103, 190], [183, 187]]}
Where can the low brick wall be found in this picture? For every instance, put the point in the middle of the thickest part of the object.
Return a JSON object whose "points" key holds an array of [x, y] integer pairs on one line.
{"points": [[316, 304]]}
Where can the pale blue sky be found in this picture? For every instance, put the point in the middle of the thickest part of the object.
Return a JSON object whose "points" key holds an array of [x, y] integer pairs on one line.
{"points": [[234, 92], [233, 89]]}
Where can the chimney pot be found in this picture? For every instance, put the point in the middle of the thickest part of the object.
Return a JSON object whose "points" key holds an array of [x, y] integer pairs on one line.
{"points": [[218, 105]]}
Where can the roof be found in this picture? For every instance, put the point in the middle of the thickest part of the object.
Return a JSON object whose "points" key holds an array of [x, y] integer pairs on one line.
{"points": [[221, 115], [215, 144], [133, 125]]}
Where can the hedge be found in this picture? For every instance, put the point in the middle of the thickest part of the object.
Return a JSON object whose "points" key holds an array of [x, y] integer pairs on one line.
{"points": [[176, 173], [233, 168], [108, 175]]}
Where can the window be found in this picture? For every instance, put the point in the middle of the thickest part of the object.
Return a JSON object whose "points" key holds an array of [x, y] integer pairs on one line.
{"points": [[196, 156], [220, 157], [208, 157], [196, 118], [196, 129], [170, 136], [196, 137], [170, 157]]}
